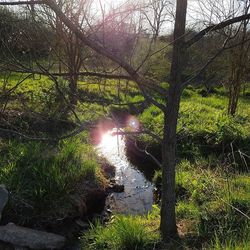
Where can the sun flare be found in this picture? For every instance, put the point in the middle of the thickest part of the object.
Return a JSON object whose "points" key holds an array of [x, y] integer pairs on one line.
{"points": [[108, 140], [112, 143]]}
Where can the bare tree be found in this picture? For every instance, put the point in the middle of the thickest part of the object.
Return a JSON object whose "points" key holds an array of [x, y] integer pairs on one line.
{"points": [[157, 13], [170, 94], [239, 62]]}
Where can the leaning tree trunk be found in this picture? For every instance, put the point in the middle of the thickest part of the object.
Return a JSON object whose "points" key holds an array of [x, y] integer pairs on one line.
{"points": [[235, 83], [238, 68], [74, 65], [168, 217]]}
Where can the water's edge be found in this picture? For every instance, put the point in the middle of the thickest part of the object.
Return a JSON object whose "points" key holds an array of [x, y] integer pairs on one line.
{"points": [[137, 197]]}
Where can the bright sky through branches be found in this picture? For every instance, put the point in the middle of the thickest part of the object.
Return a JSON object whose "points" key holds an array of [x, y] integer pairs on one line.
{"points": [[200, 12]]}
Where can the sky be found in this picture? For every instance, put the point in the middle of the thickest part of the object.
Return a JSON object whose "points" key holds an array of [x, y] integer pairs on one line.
{"points": [[198, 10], [212, 11]]}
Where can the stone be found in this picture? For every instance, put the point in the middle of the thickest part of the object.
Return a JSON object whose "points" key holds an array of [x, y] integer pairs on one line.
{"points": [[26, 237], [4, 196]]}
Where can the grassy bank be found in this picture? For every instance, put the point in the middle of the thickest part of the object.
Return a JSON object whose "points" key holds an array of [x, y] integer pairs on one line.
{"points": [[124, 232], [212, 209], [48, 183], [213, 196]]}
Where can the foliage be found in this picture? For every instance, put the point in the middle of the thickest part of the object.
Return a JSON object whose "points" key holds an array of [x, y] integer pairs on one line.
{"points": [[204, 129], [22, 37], [125, 232], [211, 173], [42, 178]]}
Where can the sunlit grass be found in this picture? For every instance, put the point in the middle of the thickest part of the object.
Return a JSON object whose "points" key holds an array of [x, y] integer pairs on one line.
{"points": [[124, 232], [212, 183], [42, 178], [212, 205]]}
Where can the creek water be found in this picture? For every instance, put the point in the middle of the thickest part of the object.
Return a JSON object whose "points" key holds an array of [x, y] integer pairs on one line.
{"points": [[137, 197]]}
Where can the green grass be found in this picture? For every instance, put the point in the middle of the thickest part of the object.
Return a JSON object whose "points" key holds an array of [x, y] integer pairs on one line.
{"points": [[43, 179], [213, 205], [124, 232], [36, 93], [213, 179], [204, 129], [232, 243], [204, 117]]}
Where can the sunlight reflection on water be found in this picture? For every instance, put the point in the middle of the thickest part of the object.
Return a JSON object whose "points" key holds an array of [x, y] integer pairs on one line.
{"points": [[137, 197]]}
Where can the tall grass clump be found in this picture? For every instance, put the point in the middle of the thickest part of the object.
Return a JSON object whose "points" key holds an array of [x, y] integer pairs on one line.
{"points": [[43, 178], [124, 232], [231, 241]]}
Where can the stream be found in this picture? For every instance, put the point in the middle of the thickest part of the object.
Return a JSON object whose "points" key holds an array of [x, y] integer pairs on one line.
{"points": [[137, 197]]}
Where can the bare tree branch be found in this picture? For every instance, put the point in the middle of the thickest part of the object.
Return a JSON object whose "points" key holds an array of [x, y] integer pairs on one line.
{"points": [[153, 135], [215, 27], [66, 74], [11, 3], [141, 81]]}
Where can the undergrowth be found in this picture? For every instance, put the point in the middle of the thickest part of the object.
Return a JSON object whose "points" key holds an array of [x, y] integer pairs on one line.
{"points": [[212, 179], [213, 205], [124, 232], [42, 179]]}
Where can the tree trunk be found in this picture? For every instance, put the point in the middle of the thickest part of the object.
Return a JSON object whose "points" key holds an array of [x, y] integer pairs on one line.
{"points": [[239, 62], [73, 89], [168, 217], [74, 64], [234, 94]]}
